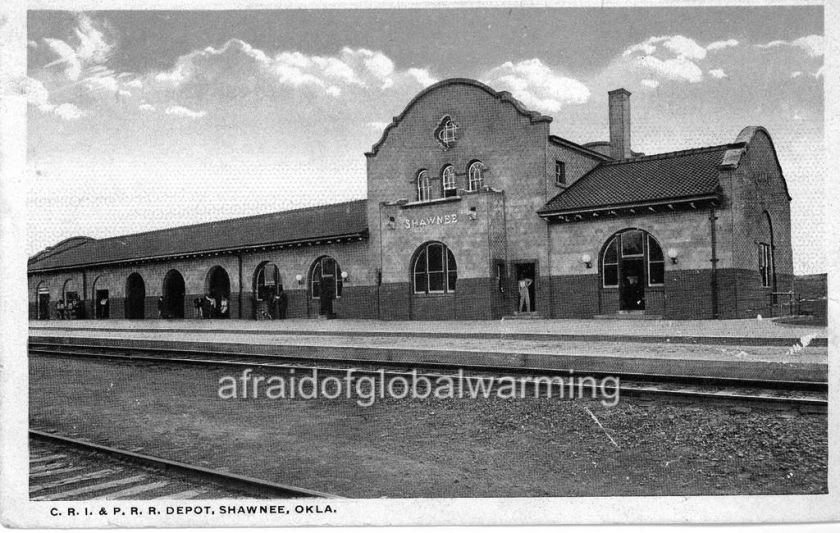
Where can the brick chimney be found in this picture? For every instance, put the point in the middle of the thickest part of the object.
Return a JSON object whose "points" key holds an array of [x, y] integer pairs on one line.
{"points": [[620, 124]]}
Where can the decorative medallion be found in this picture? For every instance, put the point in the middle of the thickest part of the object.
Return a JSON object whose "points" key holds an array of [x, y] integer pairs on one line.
{"points": [[445, 132]]}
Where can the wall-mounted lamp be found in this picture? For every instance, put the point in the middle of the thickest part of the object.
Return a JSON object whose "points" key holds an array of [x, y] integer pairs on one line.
{"points": [[673, 253], [299, 279], [586, 259], [392, 223], [345, 276], [472, 214]]}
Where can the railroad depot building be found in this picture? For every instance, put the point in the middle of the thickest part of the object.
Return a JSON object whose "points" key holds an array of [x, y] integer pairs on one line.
{"points": [[468, 192]]}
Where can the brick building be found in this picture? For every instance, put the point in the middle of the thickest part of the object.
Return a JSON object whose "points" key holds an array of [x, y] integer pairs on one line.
{"points": [[469, 193]]}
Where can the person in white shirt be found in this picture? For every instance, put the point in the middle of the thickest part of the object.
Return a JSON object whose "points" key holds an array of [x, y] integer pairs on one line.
{"points": [[524, 294]]}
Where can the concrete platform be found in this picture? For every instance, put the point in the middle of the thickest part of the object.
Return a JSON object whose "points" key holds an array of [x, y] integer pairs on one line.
{"points": [[748, 332], [664, 349]]}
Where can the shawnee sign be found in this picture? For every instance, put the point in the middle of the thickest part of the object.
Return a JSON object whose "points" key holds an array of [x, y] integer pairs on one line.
{"points": [[430, 221]]}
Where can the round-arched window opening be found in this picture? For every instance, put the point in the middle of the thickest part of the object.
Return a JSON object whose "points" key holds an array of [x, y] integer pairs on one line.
{"points": [[423, 186], [434, 270], [448, 181], [476, 175]]}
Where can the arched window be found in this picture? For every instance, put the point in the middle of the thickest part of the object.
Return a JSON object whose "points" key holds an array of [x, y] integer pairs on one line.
{"points": [[266, 281], [448, 180], [434, 270], [325, 273], [423, 188], [476, 175], [629, 254]]}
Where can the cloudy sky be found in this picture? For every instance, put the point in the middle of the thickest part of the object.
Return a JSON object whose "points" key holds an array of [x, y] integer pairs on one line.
{"points": [[144, 120]]}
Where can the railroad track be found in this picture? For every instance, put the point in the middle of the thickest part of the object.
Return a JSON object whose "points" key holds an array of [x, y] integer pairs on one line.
{"points": [[803, 395], [64, 468]]}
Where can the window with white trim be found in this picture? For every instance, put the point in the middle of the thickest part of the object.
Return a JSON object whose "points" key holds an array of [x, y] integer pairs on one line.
{"points": [[632, 245], [423, 186], [434, 270], [560, 173], [476, 176], [448, 180]]}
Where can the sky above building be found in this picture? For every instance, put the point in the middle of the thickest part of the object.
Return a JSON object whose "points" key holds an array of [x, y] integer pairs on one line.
{"points": [[145, 120]]}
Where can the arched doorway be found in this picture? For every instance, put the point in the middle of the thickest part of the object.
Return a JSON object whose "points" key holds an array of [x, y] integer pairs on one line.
{"points": [[270, 301], [631, 262], [174, 289], [325, 284], [216, 302], [135, 296], [42, 301], [101, 300]]}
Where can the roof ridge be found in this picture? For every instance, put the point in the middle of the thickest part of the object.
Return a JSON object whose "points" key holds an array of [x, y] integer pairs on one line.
{"points": [[208, 223], [677, 153]]}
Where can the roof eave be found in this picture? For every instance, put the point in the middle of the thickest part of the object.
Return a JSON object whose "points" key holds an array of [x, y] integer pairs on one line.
{"points": [[547, 214], [196, 253]]}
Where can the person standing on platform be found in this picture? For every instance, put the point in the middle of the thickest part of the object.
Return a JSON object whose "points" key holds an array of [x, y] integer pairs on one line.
{"points": [[59, 309], [282, 302], [160, 306], [197, 307], [525, 294], [223, 307]]}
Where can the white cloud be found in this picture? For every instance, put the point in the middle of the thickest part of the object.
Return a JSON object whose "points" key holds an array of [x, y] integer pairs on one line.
{"points": [[106, 84], [718, 73], [36, 94], [536, 85], [720, 45], [64, 56], [677, 45], [678, 69], [813, 45], [146, 107], [377, 125], [134, 84], [671, 57], [68, 111], [92, 48], [422, 76], [796, 74], [650, 84], [179, 111], [239, 66]]}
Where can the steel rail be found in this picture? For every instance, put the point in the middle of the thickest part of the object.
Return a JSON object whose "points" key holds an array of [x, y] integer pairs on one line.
{"points": [[247, 484], [639, 384]]}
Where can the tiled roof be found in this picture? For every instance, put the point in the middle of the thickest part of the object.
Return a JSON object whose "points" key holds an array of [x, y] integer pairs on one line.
{"points": [[307, 224], [643, 180]]}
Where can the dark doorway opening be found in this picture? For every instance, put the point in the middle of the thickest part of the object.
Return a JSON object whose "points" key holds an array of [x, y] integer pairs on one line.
{"points": [[632, 285], [526, 271], [102, 304], [173, 295], [43, 305], [217, 294], [135, 297]]}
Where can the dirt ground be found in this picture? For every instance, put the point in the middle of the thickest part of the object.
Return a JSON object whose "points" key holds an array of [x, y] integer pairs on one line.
{"points": [[434, 447]]}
